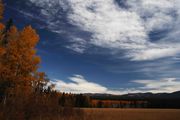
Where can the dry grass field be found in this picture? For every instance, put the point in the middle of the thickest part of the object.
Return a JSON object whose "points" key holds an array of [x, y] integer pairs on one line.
{"points": [[131, 114]]}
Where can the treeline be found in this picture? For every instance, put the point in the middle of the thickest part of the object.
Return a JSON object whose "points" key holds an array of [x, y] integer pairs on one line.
{"points": [[149, 103], [164, 103], [146, 100], [50, 105], [118, 104]]}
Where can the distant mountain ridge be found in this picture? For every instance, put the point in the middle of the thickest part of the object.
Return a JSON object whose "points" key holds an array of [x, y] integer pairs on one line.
{"points": [[138, 96]]}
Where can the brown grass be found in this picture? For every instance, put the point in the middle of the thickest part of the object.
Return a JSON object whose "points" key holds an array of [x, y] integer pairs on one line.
{"points": [[109, 114], [131, 114]]}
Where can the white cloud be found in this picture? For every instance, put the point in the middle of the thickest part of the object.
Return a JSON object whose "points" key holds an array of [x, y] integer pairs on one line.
{"points": [[155, 53], [78, 84], [78, 45], [111, 26], [157, 13], [118, 29], [165, 85]]}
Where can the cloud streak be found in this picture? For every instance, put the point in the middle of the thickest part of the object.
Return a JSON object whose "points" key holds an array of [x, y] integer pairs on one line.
{"points": [[117, 28], [78, 84], [165, 85]]}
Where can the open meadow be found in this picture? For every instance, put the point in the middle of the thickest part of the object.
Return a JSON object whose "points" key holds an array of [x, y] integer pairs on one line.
{"points": [[131, 114]]}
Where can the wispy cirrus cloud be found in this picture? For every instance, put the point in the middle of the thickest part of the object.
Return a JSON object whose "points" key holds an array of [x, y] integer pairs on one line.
{"points": [[117, 28], [155, 53], [78, 45]]}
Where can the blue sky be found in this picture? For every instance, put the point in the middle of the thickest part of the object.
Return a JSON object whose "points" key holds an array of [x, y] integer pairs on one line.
{"points": [[105, 46]]}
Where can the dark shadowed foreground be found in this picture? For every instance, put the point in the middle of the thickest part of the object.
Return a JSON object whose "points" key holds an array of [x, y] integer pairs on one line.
{"points": [[131, 114]]}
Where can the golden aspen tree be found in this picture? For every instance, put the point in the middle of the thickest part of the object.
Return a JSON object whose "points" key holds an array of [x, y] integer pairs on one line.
{"points": [[19, 62]]}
